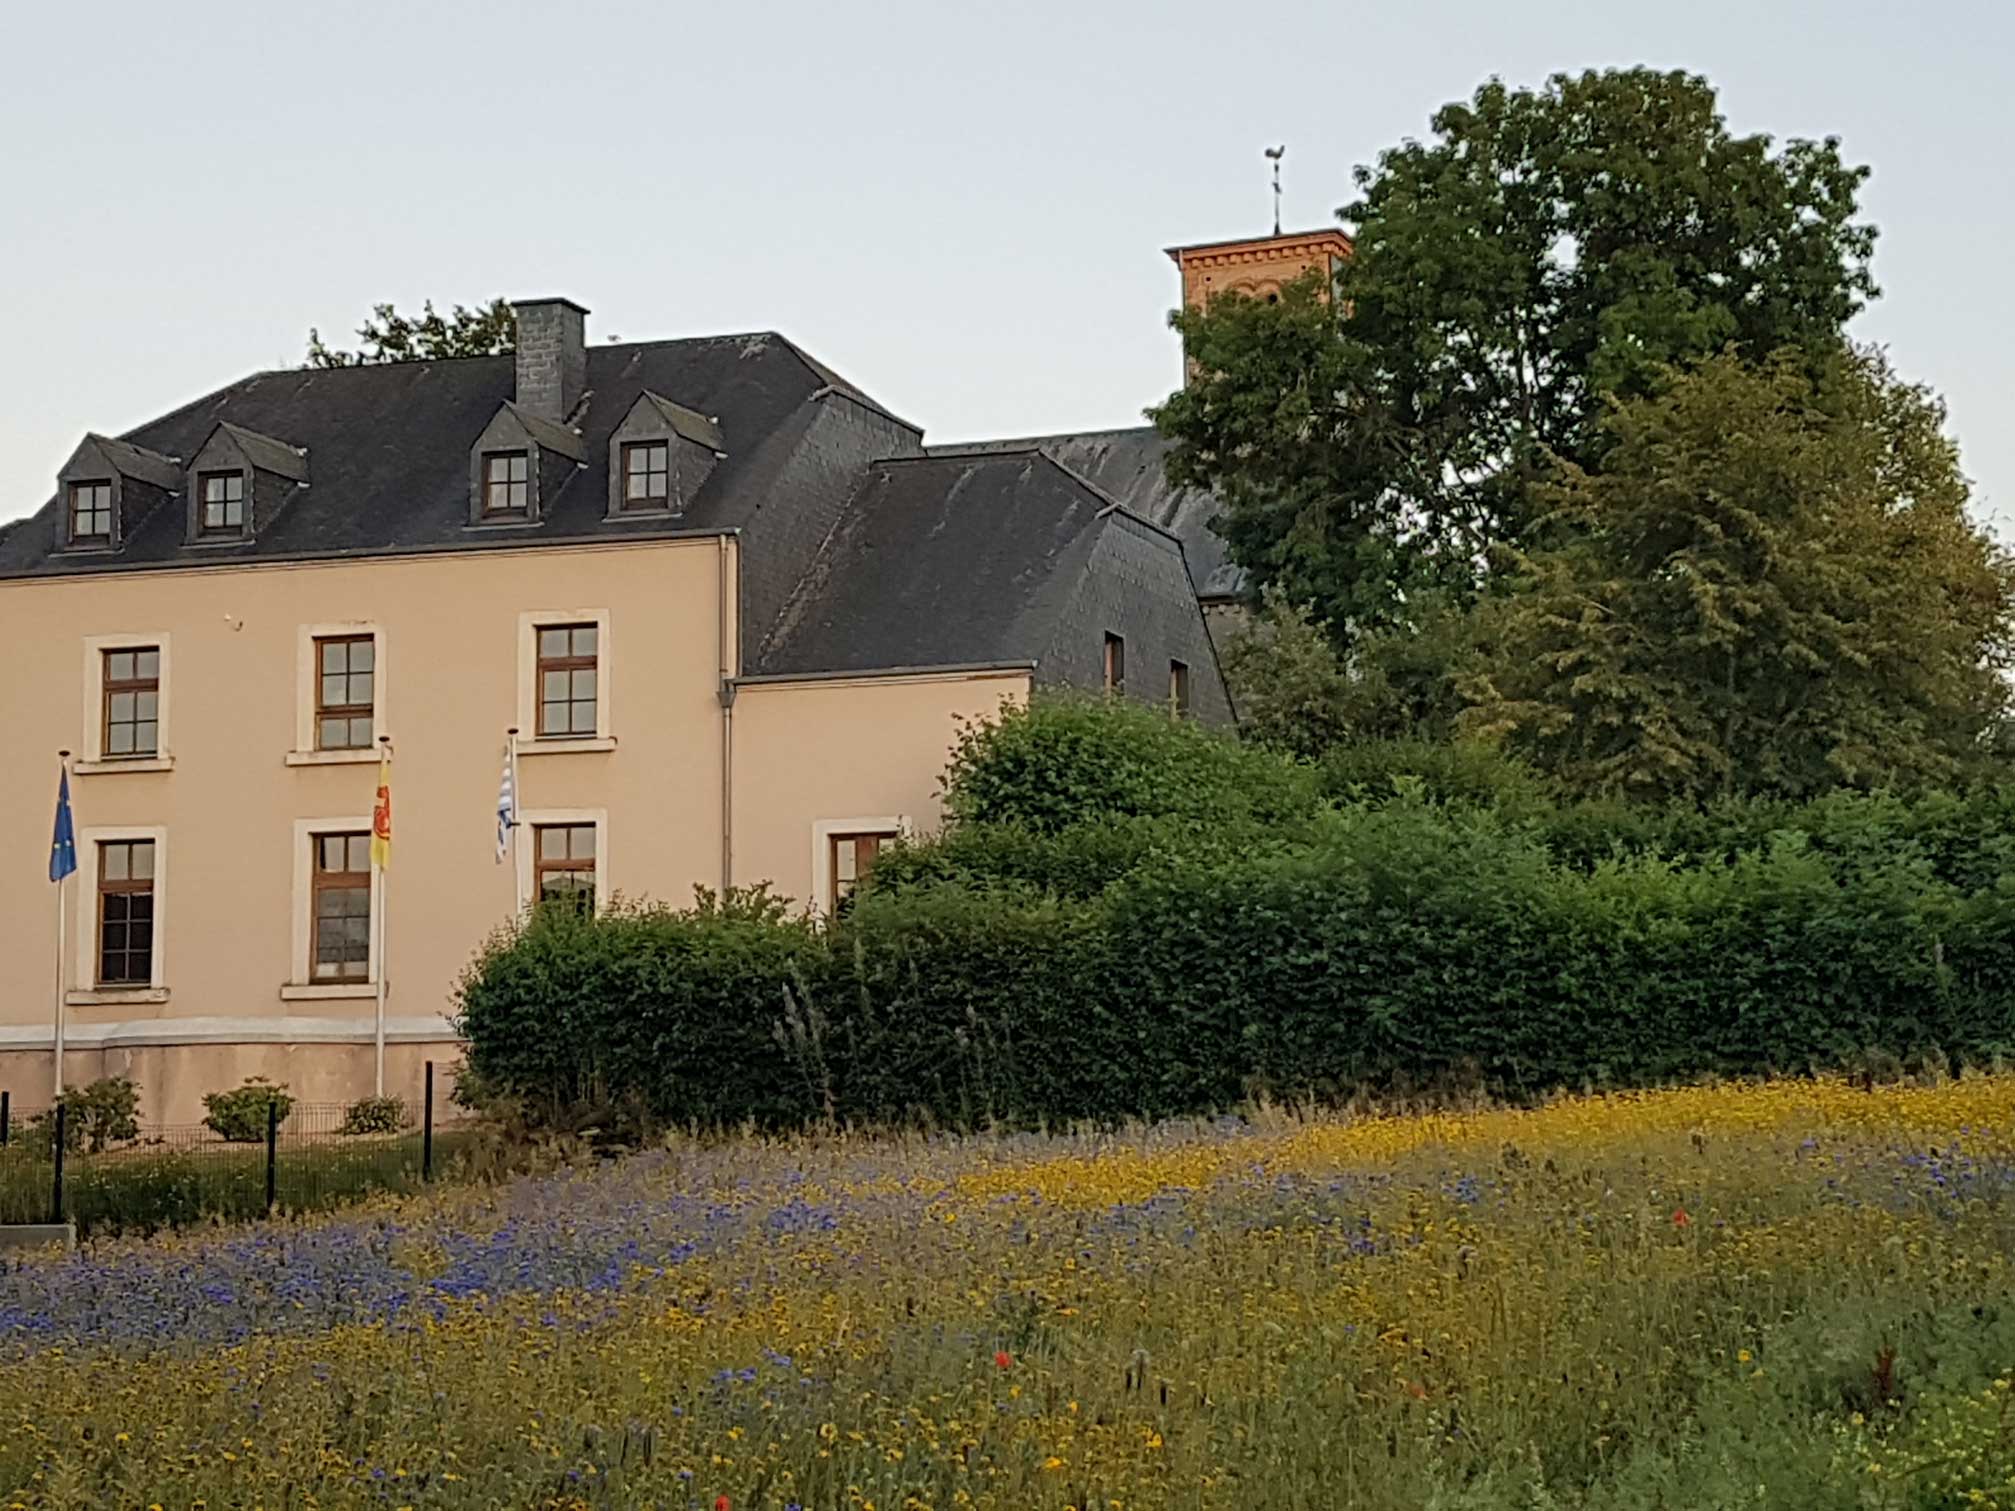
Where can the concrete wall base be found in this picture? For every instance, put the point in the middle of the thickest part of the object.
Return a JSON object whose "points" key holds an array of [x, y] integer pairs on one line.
{"points": [[37, 1235]]}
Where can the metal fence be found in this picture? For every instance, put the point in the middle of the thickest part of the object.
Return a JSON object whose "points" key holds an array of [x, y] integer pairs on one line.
{"points": [[173, 1175]]}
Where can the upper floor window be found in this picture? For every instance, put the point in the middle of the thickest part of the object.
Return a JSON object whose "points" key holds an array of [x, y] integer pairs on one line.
{"points": [[1178, 687], [223, 503], [1115, 664], [507, 489], [345, 692], [91, 513], [125, 912], [132, 702], [647, 474], [568, 673], [563, 864]]}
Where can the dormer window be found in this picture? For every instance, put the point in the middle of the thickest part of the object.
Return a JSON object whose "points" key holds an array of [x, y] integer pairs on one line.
{"points": [[91, 513], [647, 475], [223, 500], [507, 492]]}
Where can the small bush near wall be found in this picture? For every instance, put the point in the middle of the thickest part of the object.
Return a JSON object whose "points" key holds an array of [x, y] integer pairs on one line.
{"points": [[374, 1115], [241, 1116], [96, 1117]]}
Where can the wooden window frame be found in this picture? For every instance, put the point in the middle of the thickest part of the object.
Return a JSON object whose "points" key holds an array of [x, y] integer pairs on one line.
{"points": [[649, 502], [1178, 687], [526, 856], [109, 687], [1115, 662], [71, 499], [319, 882], [126, 886], [227, 531], [345, 711], [828, 836], [492, 484], [88, 933], [569, 664], [569, 865]]}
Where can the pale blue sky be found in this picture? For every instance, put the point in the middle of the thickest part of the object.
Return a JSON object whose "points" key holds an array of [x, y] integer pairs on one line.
{"points": [[960, 208]]}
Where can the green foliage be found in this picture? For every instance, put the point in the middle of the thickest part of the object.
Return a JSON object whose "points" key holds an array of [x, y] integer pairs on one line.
{"points": [[97, 1116], [1063, 760], [1461, 771], [640, 1013], [374, 1115], [1542, 251], [1770, 586], [240, 1117], [388, 336]]}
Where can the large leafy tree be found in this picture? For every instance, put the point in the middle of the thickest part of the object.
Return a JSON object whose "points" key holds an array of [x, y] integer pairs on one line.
{"points": [[1770, 586], [1544, 251], [389, 336]]}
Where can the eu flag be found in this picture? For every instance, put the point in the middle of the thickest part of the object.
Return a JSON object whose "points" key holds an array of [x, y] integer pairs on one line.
{"points": [[63, 852]]}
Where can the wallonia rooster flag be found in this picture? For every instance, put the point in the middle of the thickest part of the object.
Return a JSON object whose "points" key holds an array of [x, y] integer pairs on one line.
{"points": [[381, 814]]}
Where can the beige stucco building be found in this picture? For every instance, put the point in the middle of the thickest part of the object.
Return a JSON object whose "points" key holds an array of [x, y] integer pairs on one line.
{"points": [[733, 608]]}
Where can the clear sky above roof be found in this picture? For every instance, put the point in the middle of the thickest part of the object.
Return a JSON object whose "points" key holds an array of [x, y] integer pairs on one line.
{"points": [[960, 208]]}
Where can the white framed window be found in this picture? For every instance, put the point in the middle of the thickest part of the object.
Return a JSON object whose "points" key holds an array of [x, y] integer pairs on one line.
{"points": [[126, 704], [122, 911], [563, 853], [843, 853], [339, 704], [336, 903], [564, 674]]}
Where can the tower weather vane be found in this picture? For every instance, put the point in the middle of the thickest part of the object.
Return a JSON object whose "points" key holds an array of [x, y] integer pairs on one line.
{"points": [[1274, 155]]}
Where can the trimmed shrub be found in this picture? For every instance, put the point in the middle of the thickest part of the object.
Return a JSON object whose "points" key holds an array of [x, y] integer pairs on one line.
{"points": [[104, 1113], [241, 1116], [374, 1115]]}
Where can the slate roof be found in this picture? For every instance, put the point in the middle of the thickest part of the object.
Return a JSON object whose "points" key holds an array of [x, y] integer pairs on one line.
{"points": [[137, 461], [388, 449], [266, 453], [953, 560], [1130, 465]]}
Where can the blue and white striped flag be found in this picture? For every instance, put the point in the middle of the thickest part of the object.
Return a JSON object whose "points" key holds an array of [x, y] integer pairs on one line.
{"points": [[507, 801]]}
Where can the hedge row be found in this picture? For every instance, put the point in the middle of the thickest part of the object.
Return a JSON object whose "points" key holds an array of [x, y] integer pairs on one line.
{"points": [[1374, 947]]}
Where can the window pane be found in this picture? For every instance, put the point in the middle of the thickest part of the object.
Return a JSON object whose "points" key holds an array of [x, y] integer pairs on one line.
{"points": [[582, 842], [143, 860], [331, 848], [335, 690], [146, 705], [636, 486], [146, 738], [120, 708], [119, 740], [362, 655], [360, 852], [119, 666], [554, 718], [552, 644], [147, 664], [552, 686], [584, 640], [114, 862], [584, 685], [360, 732]]}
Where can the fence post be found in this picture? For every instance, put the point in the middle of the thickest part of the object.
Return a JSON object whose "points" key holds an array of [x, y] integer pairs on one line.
{"points": [[427, 1129], [4, 1110], [272, 1154], [62, 1138]]}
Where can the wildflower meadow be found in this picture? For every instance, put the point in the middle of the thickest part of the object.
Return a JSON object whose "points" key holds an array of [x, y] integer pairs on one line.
{"points": [[1785, 1294]]}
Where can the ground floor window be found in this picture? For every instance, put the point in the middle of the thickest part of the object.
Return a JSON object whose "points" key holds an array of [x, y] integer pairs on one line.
{"points": [[563, 864], [341, 947]]}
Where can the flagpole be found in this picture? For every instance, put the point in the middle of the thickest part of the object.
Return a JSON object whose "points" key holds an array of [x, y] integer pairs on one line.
{"points": [[62, 937], [379, 918], [517, 876]]}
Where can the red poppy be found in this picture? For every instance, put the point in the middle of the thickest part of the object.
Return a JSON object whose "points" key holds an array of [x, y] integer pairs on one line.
{"points": [[720, 1503], [1680, 1219], [1004, 1359]]}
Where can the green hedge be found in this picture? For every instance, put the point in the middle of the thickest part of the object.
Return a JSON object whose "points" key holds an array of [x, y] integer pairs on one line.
{"points": [[1086, 941]]}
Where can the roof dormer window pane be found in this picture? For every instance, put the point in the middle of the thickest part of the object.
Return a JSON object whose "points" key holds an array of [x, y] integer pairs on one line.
{"points": [[223, 503], [90, 513], [647, 474], [506, 485]]}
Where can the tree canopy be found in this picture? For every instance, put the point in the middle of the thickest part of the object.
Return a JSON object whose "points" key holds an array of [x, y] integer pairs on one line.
{"points": [[388, 336], [1769, 586], [1544, 251]]}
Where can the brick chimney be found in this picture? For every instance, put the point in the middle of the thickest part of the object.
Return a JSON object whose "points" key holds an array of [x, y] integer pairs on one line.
{"points": [[552, 356]]}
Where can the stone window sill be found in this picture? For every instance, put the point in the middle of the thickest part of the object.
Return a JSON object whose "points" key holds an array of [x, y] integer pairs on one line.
{"points": [[116, 996], [137, 763], [566, 747], [331, 757], [327, 991]]}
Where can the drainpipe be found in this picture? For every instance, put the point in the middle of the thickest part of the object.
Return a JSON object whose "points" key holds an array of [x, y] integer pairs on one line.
{"points": [[727, 699]]}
